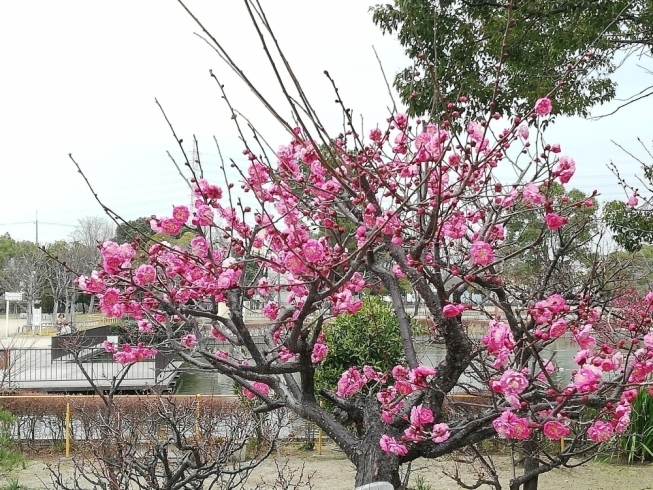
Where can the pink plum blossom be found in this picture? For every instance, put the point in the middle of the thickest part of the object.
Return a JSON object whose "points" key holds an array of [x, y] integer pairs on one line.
{"points": [[556, 303], [116, 257], [420, 416], [199, 246], [440, 433], [180, 214], [584, 337], [351, 382], [262, 388], [111, 304], [401, 120], [513, 382], [189, 340], [511, 385], [216, 334], [271, 310], [203, 216], [558, 328], [451, 311], [499, 340], [145, 274], [510, 199], [93, 284], [391, 446], [600, 431], [313, 251], [587, 379], [481, 253], [523, 131], [130, 354], [320, 351], [169, 226], [532, 194], [220, 354], [556, 429], [510, 426], [109, 347], [554, 221], [564, 169], [648, 340], [144, 326], [543, 106]]}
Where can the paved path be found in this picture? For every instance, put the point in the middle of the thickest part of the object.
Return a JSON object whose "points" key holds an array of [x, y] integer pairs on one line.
{"points": [[17, 338]]}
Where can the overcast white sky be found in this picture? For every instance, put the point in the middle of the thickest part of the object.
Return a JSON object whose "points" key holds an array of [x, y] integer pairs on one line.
{"points": [[80, 77]]}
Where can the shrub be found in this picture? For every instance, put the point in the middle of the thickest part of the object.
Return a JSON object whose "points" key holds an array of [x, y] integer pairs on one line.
{"points": [[371, 337], [9, 456]]}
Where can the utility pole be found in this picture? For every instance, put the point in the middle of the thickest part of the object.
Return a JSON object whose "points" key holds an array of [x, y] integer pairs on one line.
{"points": [[37, 228]]}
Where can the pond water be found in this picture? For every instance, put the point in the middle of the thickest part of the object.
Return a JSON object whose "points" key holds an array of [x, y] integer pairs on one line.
{"points": [[430, 354]]}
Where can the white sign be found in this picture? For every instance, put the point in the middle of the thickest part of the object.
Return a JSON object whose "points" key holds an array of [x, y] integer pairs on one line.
{"points": [[13, 296], [36, 317]]}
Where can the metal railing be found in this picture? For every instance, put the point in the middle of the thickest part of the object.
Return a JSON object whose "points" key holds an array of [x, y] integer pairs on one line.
{"points": [[27, 367]]}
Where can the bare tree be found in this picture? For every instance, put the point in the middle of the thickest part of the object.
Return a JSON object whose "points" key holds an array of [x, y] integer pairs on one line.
{"points": [[26, 271], [162, 442], [166, 443], [93, 230]]}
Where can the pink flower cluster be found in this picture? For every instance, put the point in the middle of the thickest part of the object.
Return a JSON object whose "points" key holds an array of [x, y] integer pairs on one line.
{"points": [[511, 426], [421, 429], [93, 284], [351, 382], [111, 304], [116, 257], [189, 340], [406, 381], [320, 349], [500, 342], [564, 169], [543, 311], [601, 430], [300, 241], [261, 388], [129, 353], [144, 275], [171, 226], [511, 385], [452, 311]]}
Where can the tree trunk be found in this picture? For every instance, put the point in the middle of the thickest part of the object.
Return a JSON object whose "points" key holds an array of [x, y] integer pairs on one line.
{"points": [[531, 464], [374, 466], [372, 463], [418, 302]]}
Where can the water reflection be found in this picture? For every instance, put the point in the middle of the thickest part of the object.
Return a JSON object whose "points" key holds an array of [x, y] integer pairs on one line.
{"points": [[210, 383]]}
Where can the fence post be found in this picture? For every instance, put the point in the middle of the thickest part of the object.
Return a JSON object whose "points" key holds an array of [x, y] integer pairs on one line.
{"points": [[197, 416], [319, 441], [562, 444], [67, 429]]}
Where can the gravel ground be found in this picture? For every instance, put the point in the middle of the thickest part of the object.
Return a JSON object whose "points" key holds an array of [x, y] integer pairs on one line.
{"points": [[332, 471]]}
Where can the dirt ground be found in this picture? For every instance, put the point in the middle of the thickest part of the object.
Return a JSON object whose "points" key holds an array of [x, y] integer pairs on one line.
{"points": [[332, 471]]}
